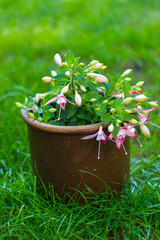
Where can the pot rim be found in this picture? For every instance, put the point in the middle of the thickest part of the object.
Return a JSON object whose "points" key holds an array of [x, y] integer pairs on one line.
{"points": [[60, 129]]}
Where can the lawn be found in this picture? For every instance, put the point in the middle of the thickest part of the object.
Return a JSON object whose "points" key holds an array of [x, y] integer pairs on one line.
{"points": [[122, 34]]}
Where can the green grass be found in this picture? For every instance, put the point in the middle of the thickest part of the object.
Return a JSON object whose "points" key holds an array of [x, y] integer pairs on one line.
{"points": [[122, 34]]}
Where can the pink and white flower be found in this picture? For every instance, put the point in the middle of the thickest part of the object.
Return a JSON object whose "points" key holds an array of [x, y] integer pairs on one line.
{"points": [[100, 137]]}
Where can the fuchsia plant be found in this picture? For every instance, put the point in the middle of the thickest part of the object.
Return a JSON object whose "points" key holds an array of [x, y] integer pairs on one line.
{"points": [[83, 94]]}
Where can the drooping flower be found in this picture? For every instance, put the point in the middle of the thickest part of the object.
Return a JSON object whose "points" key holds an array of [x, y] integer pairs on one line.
{"points": [[100, 137], [61, 101]]}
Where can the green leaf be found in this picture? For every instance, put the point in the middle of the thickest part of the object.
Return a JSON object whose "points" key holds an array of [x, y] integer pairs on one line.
{"points": [[69, 57], [106, 117], [71, 111], [30, 102], [84, 116], [116, 130]]}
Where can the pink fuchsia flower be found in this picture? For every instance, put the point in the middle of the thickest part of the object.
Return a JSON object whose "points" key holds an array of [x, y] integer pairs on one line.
{"points": [[127, 130], [61, 101], [58, 59], [145, 118], [100, 137]]}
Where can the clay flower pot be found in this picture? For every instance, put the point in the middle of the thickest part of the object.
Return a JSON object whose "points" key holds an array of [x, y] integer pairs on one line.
{"points": [[61, 158]]}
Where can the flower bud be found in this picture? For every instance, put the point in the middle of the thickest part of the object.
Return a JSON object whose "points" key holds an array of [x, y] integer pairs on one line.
{"points": [[92, 75], [119, 121], [117, 124], [128, 79], [153, 104], [97, 66], [81, 64], [105, 101], [19, 105], [133, 121], [40, 119], [83, 88], [94, 62], [110, 128], [137, 89], [140, 98], [144, 130], [52, 110], [53, 73], [139, 107], [78, 99], [128, 111], [58, 59], [65, 89], [26, 101], [103, 67], [31, 115], [64, 63], [97, 108], [47, 79], [126, 72], [144, 112], [139, 84], [101, 78], [112, 110], [127, 100], [67, 73], [93, 100]]}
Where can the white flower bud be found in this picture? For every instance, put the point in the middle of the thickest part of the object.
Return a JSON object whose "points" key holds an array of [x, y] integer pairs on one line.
{"points": [[139, 107], [126, 72], [133, 121], [97, 66], [105, 101], [78, 99], [127, 100], [128, 79], [137, 89], [65, 89], [58, 59], [92, 75], [34, 108], [53, 73], [117, 124], [19, 105], [110, 128], [52, 110], [67, 73], [153, 104], [94, 62], [81, 64], [103, 67], [47, 79], [93, 100], [139, 84], [144, 130], [83, 88], [112, 110], [31, 115], [140, 98]]}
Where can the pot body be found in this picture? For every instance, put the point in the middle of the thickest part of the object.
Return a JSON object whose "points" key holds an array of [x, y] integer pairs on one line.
{"points": [[61, 158]]}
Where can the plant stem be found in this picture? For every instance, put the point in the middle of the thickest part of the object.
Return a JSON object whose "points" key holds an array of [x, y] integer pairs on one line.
{"points": [[73, 80]]}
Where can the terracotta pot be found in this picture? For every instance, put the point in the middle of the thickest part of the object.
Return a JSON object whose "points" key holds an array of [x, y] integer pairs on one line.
{"points": [[58, 156]]}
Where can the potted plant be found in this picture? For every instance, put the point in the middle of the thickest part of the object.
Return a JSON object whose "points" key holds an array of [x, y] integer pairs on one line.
{"points": [[79, 131]]}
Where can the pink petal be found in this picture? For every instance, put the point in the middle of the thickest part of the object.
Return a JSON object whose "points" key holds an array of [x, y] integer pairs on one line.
{"points": [[51, 100], [118, 143], [129, 133], [132, 92], [151, 109], [90, 136], [69, 101]]}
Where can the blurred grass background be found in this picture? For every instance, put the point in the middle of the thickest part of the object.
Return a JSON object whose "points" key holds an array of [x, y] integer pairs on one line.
{"points": [[122, 34]]}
